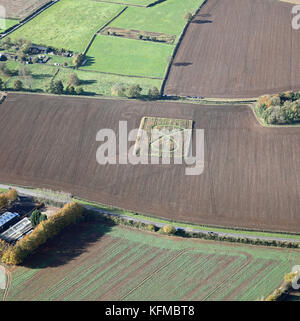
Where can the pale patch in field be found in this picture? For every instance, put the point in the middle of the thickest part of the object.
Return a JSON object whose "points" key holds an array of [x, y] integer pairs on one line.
{"points": [[164, 137]]}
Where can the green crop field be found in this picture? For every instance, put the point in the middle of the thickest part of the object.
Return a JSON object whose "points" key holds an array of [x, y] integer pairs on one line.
{"points": [[128, 57], [143, 3], [169, 17], [99, 262], [68, 24], [7, 23]]}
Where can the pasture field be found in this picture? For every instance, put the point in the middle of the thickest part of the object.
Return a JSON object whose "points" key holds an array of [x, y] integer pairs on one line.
{"points": [[246, 165], [20, 9], [167, 141], [128, 57], [101, 84], [169, 17], [41, 76], [115, 263], [68, 24], [233, 49], [93, 83], [7, 23]]}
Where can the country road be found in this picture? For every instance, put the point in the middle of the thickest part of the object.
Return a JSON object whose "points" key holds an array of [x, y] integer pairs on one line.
{"points": [[35, 193]]}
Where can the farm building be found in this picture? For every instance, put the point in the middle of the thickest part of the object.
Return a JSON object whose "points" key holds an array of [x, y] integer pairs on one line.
{"points": [[17, 231], [7, 219]]}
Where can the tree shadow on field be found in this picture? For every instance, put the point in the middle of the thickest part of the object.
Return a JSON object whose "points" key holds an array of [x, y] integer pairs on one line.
{"points": [[69, 243], [89, 61], [41, 76], [182, 64], [201, 22], [87, 82]]}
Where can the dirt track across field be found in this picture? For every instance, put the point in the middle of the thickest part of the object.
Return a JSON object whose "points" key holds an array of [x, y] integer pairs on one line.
{"points": [[237, 49], [251, 176]]}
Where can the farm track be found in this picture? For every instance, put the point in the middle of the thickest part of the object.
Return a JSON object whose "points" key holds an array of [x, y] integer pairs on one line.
{"points": [[237, 49], [251, 177], [8, 273]]}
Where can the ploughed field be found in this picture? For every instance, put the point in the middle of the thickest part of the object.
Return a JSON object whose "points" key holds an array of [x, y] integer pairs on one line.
{"points": [[251, 177], [20, 9], [93, 261], [237, 48]]}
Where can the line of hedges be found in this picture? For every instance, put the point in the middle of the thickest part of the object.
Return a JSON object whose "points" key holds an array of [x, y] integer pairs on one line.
{"points": [[171, 230], [70, 214]]}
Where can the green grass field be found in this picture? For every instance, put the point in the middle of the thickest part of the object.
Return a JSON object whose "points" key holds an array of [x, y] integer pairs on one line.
{"points": [[93, 83], [97, 262], [169, 17], [101, 84], [41, 76], [7, 23], [68, 24], [128, 57]]}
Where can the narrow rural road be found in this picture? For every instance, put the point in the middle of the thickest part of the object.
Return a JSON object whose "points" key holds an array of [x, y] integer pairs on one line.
{"points": [[34, 193]]}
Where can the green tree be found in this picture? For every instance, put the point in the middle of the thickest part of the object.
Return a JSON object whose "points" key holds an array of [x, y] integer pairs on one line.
{"points": [[188, 16], [79, 91], [78, 60], [154, 93], [1, 84], [37, 217], [73, 79], [56, 87], [18, 85], [134, 91]]}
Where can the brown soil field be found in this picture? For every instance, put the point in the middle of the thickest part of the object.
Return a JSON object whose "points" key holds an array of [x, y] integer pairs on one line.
{"points": [[237, 49], [20, 9], [251, 177]]}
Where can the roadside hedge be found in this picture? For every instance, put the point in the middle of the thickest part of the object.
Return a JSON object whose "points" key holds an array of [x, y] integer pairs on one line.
{"points": [[183, 233]]}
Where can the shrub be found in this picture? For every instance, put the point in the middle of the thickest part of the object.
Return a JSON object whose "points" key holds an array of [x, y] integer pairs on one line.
{"points": [[118, 90], [169, 229]]}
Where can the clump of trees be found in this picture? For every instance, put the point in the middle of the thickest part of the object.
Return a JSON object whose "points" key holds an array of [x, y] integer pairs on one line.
{"points": [[134, 91], [70, 214], [57, 87], [279, 109], [168, 229]]}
